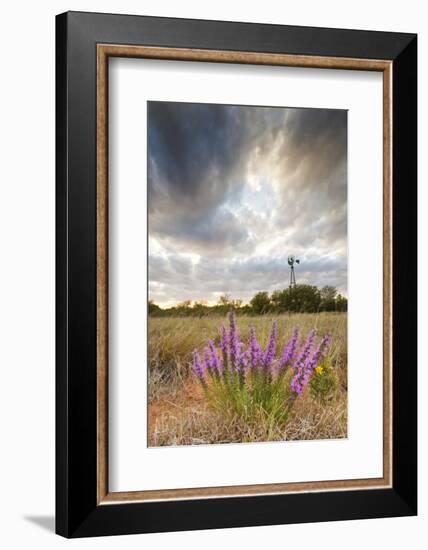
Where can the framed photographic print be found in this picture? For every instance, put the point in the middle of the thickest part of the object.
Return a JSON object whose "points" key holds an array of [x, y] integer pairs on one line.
{"points": [[236, 274]]}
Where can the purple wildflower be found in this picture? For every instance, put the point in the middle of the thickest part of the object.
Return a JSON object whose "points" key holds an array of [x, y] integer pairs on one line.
{"points": [[224, 340], [245, 358], [305, 350], [197, 367], [234, 343], [320, 351], [224, 347], [296, 385], [271, 347], [215, 361], [255, 351], [306, 363], [241, 365], [300, 378], [289, 351], [231, 361], [206, 360]]}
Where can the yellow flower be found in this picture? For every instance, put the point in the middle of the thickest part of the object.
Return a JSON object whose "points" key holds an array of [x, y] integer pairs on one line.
{"points": [[319, 370]]}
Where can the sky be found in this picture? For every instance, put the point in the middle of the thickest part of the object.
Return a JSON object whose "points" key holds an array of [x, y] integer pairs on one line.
{"points": [[234, 190]]}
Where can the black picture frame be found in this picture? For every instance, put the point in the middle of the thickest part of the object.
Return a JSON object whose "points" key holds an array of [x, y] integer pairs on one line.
{"points": [[77, 511]]}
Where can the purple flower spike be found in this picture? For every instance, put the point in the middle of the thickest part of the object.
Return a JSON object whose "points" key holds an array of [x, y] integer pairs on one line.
{"points": [[289, 351], [224, 340], [307, 363], [296, 386], [215, 361], [234, 343], [255, 351], [305, 350], [197, 367], [246, 359], [271, 347], [206, 360], [320, 352]]}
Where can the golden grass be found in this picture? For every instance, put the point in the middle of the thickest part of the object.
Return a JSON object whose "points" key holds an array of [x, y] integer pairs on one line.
{"points": [[178, 411]]}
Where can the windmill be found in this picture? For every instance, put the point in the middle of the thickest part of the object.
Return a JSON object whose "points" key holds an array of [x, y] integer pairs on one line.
{"points": [[291, 261]]}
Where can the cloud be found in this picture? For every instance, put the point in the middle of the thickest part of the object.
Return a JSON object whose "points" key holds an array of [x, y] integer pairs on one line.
{"points": [[241, 188]]}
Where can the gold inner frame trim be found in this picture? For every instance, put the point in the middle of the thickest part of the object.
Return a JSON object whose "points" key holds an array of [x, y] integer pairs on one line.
{"points": [[104, 51]]}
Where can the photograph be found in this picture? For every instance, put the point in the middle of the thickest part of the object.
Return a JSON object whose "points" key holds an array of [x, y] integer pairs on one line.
{"points": [[247, 273], [213, 309]]}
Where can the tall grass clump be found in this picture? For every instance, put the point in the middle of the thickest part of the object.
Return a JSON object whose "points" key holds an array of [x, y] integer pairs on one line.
{"points": [[244, 381]]}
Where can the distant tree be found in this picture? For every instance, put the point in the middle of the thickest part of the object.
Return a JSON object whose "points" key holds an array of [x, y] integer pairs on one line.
{"points": [[328, 298], [246, 310], [226, 303], [279, 300], [260, 303], [224, 300], [182, 309], [341, 303], [299, 298], [184, 305], [153, 308], [304, 299], [200, 309]]}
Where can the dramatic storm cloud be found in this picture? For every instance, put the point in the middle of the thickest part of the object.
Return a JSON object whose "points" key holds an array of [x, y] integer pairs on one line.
{"points": [[234, 190]]}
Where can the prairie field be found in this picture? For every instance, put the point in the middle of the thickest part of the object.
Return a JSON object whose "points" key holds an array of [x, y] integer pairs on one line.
{"points": [[180, 413]]}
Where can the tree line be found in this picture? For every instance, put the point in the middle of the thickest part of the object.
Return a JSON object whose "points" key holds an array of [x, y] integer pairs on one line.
{"points": [[296, 299]]}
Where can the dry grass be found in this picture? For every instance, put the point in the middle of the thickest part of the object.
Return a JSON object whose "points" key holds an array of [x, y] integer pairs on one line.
{"points": [[179, 413]]}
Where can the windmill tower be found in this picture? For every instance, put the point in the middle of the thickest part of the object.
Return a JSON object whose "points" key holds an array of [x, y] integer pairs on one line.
{"points": [[291, 261]]}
